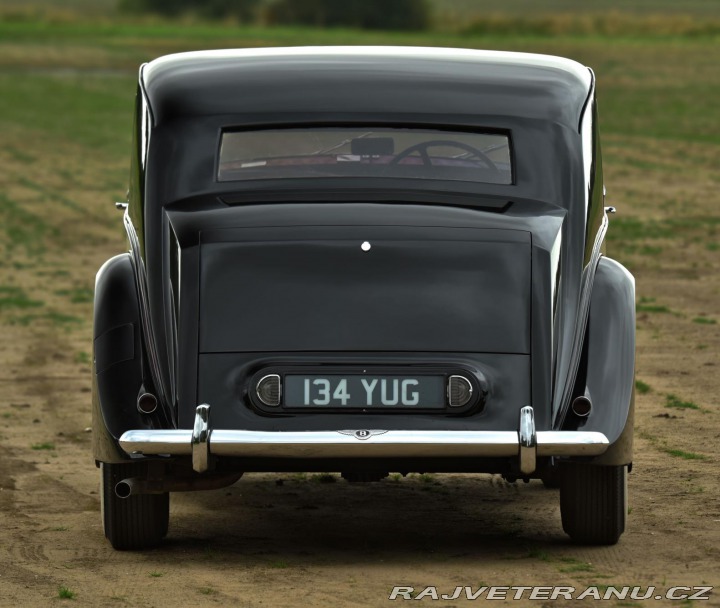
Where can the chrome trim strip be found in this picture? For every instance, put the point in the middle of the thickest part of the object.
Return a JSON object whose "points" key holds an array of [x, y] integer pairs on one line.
{"points": [[586, 128], [147, 112], [145, 320], [332, 444], [571, 443], [563, 394], [587, 281], [393, 443], [201, 439], [172, 442], [527, 440]]}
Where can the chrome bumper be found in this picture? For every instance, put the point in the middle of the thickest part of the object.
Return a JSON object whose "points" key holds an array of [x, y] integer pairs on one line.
{"points": [[525, 443]]}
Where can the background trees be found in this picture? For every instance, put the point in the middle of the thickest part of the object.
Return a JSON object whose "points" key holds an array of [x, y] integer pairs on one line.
{"points": [[360, 14]]}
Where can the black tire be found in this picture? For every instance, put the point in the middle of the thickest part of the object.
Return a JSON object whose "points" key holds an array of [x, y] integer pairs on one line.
{"points": [[135, 522], [593, 502], [551, 477]]}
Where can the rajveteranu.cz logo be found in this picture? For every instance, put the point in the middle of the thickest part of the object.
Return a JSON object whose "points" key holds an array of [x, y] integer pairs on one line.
{"points": [[551, 593]]}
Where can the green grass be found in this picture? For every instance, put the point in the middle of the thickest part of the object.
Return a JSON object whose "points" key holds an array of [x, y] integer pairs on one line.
{"points": [[48, 194], [55, 318], [466, 8], [642, 387], [83, 358], [43, 446], [15, 297], [683, 454], [704, 321], [538, 554], [102, 6], [23, 229], [613, 17], [91, 112], [630, 230], [661, 446], [462, 9], [58, 318], [78, 295], [673, 401], [652, 308], [65, 594], [603, 24]]}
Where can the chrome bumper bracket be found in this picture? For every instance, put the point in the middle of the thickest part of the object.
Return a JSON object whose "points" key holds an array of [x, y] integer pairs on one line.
{"points": [[201, 439], [527, 439]]}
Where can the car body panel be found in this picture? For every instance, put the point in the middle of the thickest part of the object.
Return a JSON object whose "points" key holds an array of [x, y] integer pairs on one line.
{"points": [[233, 277]]}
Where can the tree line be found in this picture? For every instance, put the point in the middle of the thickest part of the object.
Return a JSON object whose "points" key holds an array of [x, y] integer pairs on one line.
{"points": [[361, 14]]}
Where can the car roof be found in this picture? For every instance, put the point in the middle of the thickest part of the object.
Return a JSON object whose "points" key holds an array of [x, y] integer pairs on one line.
{"points": [[382, 84]]}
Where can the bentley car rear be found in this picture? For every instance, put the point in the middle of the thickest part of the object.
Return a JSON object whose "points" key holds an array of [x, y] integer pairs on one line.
{"points": [[396, 267]]}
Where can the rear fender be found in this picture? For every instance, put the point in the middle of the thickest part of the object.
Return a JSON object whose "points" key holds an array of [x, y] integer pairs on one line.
{"points": [[117, 358], [610, 363]]}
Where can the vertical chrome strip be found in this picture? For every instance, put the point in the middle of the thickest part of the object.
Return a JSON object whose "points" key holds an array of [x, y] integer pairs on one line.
{"points": [[145, 320], [586, 127], [587, 279]]}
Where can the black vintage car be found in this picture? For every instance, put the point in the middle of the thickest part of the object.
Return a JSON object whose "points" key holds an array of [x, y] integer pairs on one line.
{"points": [[363, 260]]}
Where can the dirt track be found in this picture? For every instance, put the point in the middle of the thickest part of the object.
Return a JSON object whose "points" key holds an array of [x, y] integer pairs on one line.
{"points": [[301, 542]]}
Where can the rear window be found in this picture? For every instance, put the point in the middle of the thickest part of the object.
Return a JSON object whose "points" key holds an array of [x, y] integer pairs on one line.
{"points": [[365, 152]]}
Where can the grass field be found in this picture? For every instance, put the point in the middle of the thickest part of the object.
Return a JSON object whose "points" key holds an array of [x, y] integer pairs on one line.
{"points": [[66, 93], [462, 8], [465, 8]]}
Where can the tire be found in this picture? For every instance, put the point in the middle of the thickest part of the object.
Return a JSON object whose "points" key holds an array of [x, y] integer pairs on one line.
{"points": [[593, 502], [551, 477], [135, 522]]}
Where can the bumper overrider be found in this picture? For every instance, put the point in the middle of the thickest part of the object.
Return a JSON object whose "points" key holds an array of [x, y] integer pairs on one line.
{"points": [[526, 443]]}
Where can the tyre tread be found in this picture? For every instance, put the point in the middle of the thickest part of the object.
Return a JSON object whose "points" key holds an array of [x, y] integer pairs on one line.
{"points": [[136, 522], [592, 503]]}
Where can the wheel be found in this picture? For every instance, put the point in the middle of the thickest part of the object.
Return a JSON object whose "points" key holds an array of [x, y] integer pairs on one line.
{"points": [[135, 522], [593, 502], [422, 149], [551, 477]]}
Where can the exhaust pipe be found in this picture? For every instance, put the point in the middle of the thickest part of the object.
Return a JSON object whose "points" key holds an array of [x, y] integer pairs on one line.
{"points": [[126, 487], [132, 486], [147, 403], [582, 406]]}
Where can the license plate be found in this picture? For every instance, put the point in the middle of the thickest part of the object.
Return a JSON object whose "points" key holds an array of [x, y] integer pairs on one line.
{"points": [[364, 391]]}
